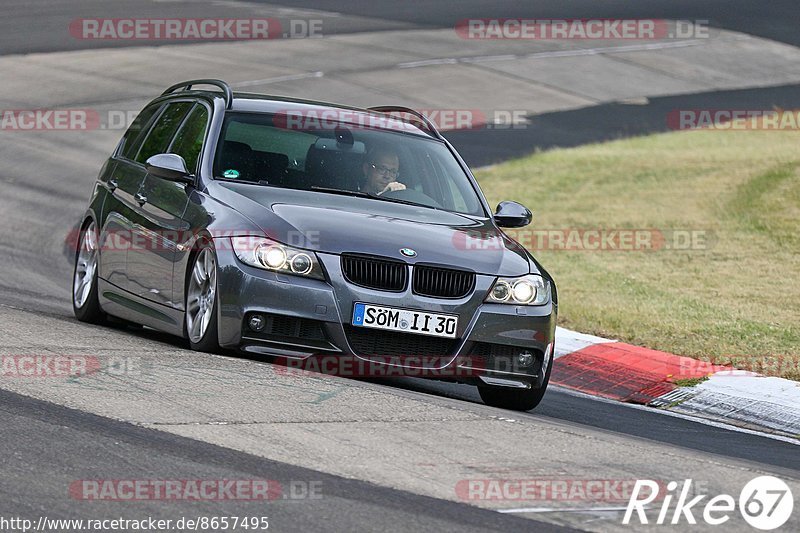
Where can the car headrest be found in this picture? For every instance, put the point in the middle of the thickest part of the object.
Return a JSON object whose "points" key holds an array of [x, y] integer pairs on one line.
{"points": [[270, 166], [236, 156], [274, 161], [236, 148], [329, 166]]}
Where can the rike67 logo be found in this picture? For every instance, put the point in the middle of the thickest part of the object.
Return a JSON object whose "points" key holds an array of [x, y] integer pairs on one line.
{"points": [[765, 503]]}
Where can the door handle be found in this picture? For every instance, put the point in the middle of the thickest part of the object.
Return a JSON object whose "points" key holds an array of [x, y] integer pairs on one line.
{"points": [[112, 185], [141, 199]]}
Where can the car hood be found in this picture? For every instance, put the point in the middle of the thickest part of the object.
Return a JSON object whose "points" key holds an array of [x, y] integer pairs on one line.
{"points": [[336, 224]]}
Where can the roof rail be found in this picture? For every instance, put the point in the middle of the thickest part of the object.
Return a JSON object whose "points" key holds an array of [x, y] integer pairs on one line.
{"points": [[428, 125], [187, 86]]}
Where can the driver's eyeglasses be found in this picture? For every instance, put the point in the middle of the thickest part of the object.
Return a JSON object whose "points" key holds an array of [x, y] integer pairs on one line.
{"points": [[386, 171]]}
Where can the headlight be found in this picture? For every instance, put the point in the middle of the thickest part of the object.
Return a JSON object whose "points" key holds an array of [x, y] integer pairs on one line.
{"points": [[271, 255], [526, 290]]}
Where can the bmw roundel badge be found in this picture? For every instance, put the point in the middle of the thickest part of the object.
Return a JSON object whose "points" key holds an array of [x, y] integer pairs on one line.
{"points": [[408, 252]]}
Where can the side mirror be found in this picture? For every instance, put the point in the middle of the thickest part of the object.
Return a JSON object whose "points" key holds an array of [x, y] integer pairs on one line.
{"points": [[512, 215], [170, 167]]}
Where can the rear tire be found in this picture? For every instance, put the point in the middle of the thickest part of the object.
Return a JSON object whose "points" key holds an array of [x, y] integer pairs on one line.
{"points": [[85, 303], [515, 399], [200, 322]]}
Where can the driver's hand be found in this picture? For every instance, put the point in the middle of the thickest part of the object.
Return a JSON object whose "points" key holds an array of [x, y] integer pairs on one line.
{"points": [[393, 186]]}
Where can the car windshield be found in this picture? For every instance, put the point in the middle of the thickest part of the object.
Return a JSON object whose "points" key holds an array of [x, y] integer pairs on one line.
{"points": [[343, 158]]}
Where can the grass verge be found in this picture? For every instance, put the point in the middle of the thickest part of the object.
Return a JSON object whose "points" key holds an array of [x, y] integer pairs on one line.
{"points": [[727, 205]]}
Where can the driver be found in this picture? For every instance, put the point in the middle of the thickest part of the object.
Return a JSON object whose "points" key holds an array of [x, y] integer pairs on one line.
{"points": [[381, 168]]}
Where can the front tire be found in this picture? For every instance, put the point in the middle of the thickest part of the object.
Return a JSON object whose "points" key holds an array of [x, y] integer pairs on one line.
{"points": [[515, 399], [85, 303], [200, 321]]}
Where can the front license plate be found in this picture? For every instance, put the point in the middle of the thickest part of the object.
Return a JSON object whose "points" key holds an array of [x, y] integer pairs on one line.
{"points": [[406, 320]]}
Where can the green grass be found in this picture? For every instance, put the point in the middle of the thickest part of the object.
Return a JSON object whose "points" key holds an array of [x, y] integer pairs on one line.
{"points": [[690, 382], [737, 297]]}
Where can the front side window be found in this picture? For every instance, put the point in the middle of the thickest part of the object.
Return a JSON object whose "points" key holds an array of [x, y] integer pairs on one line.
{"points": [[160, 135], [263, 149]]}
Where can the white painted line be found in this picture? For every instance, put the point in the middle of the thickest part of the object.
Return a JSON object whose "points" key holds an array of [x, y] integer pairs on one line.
{"points": [[563, 509], [429, 62], [613, 49], [485, 59], [278, 79], [553, 53], [287, 12]]}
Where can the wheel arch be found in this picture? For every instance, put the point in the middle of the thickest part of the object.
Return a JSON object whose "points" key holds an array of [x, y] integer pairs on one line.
{"points": [[201, 239]]}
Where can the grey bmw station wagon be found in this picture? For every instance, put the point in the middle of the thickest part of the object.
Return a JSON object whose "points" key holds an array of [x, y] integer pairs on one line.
{"points": [[305, 231]]}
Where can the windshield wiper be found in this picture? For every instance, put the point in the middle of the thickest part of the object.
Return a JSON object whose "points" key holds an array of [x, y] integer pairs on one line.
{"points": [[264, 183], [345, 192], [361, 194], [404, 202]]}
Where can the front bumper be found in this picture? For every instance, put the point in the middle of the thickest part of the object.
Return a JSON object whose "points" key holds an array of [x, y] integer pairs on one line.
{"points": [[488, 339]]}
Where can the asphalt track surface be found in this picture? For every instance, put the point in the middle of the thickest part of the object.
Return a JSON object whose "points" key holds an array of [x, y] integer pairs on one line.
{"points": [[774, 19], [47, 446], [42, 25], [34, 477], [606, 122]]}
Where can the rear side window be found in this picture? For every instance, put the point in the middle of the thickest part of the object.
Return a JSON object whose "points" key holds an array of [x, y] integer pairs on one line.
{"points": [[188, 142], [157, 141], [133, 137]]}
